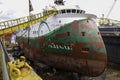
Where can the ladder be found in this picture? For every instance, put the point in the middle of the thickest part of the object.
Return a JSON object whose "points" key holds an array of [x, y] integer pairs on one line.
{"points": [[24, 22]]}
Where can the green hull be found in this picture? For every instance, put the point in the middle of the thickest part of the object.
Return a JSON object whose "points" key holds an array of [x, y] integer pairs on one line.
{"points": [[78, 44]]}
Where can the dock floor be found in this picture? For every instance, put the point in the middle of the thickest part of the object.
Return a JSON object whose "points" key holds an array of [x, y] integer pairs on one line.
{"points": [[112, 72]]}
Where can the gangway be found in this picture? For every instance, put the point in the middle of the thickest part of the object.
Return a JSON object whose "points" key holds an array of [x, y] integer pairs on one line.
{"points": [[24, 22]]}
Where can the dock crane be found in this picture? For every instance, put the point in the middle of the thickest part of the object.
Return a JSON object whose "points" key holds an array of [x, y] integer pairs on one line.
{"points": [[106, 21], [111, 8]]}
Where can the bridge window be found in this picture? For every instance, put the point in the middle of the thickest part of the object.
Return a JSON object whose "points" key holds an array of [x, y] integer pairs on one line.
{"points": [[81, 11], [68, 11], [73, 10], [63, 11], [78, 11]]}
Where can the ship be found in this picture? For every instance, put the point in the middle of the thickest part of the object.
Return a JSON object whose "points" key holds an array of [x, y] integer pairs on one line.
{"points": [[69, 40]]}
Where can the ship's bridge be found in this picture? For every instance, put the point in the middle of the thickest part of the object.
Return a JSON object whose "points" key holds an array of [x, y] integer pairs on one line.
{"points": [[72, 12], [68, 9], [78, 11]]}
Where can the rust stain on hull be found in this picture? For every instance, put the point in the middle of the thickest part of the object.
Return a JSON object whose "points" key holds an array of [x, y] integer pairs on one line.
{"points": [[71, 51]]}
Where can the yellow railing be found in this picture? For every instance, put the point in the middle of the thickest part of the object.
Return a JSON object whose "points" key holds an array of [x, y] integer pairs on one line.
{"points": [[17, 69], [24, 22]]}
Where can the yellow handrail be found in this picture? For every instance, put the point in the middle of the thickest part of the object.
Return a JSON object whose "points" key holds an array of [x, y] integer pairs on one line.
{"points": [[24, 22]]}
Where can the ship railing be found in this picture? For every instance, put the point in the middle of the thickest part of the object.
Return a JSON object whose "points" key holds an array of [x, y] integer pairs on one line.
{"points": [[29, 20], [5, 59]]}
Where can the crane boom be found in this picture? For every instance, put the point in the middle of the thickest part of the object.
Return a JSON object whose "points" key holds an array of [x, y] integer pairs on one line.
{"points": [[111, 8]]}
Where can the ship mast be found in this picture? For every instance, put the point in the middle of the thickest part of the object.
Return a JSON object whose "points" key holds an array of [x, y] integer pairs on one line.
{"points": [[30, 10], [30, 7]]}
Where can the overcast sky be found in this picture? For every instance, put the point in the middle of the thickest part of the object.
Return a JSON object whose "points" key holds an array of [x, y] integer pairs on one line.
{"points": [[10, 9]]}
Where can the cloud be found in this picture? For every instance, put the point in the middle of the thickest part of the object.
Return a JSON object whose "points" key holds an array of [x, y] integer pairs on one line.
{"points": [[6, 15], [1, 3]]}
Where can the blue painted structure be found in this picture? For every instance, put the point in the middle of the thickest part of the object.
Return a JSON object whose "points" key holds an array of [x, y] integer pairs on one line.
{"points": [[111, 37]]}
